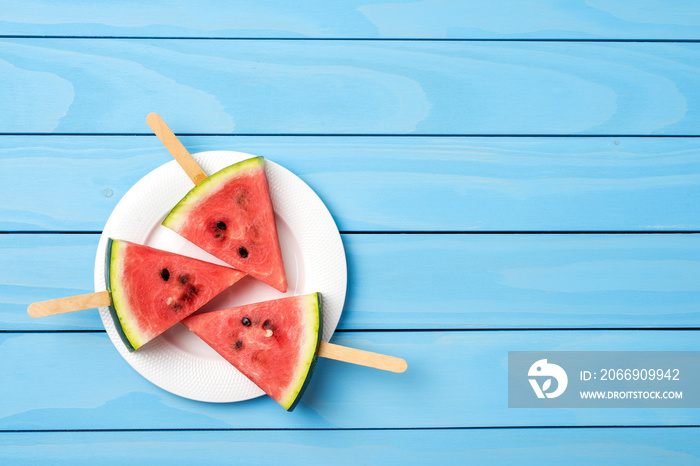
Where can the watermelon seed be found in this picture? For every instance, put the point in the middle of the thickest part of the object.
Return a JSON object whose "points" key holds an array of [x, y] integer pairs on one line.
{"points": [[221, 225], [191, 292], [243, 252], [268, 333], [169, 300], [165, 274], [184, 279], [246, 321], [266, 324], [239, 344]]}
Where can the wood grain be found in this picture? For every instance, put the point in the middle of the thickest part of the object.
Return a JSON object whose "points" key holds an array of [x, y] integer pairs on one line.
{"points": [[350, 87], [384, 184], [622, 19], [464, 281], [456, 379]]}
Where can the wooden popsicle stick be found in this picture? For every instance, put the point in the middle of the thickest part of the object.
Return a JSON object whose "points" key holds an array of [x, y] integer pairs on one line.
{"points": [[69, 304], [362, 358], [176, 149], [325, 350]]}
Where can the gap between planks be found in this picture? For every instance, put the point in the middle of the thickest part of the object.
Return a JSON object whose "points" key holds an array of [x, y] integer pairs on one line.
{"points": [[427, 330], [418, 232], [304, 429], [348, 39], [372, 135]]}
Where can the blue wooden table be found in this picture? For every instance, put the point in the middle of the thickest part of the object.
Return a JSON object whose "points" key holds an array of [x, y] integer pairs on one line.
{"points": [[505, 175]]}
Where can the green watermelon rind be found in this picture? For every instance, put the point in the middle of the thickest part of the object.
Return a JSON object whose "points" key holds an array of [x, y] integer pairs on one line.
{"points": [[316, 303], [176, 216], [125, 328]]}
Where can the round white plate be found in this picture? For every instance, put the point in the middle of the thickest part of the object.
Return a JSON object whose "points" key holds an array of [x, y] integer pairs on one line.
{"points": [[314, 259]]}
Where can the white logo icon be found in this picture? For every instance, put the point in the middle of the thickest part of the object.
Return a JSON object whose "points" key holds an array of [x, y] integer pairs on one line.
{"points": [[543, 369]]}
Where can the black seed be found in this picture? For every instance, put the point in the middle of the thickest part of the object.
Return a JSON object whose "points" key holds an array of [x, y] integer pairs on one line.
{"points": [[243, 252], [165, 274], [267, 324], [184, 279], [221, 225], [189, 294], [239, 344], [246, 321]]}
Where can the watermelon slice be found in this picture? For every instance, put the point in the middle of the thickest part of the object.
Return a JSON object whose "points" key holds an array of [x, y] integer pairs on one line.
{"points": [[273, 343], [152, 290], [230, 215]]}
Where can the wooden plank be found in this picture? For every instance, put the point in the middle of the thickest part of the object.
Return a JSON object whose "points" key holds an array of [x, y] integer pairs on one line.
{"points": [[40, 267], [500, 446], [384, 183], [71, 381], [522, 281], [463, 281], [622, 19], [350, 87]]}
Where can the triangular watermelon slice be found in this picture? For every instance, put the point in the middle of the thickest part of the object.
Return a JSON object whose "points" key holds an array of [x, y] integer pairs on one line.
{"points": [[152, 290], [273, 343], [230, 215]]}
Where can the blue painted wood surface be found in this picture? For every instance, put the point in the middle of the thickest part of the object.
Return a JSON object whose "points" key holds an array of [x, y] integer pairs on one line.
{"points": [[507, 176], [453, 19], [299, 447], [350, 87], [385, 183], [505, 280], [455, 379]]}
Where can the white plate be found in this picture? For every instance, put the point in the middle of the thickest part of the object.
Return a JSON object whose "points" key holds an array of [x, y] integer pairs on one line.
{"points": [[314, 260]]}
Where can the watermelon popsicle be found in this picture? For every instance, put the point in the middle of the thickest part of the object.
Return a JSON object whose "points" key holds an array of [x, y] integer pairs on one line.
{"points": [[273, 343], [148, 290], [229, 214], [276, 344]]}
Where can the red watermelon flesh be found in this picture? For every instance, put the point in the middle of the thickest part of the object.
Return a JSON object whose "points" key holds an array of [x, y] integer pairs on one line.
{"points": [[230, 215], [273, 343], [152, 290]]}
